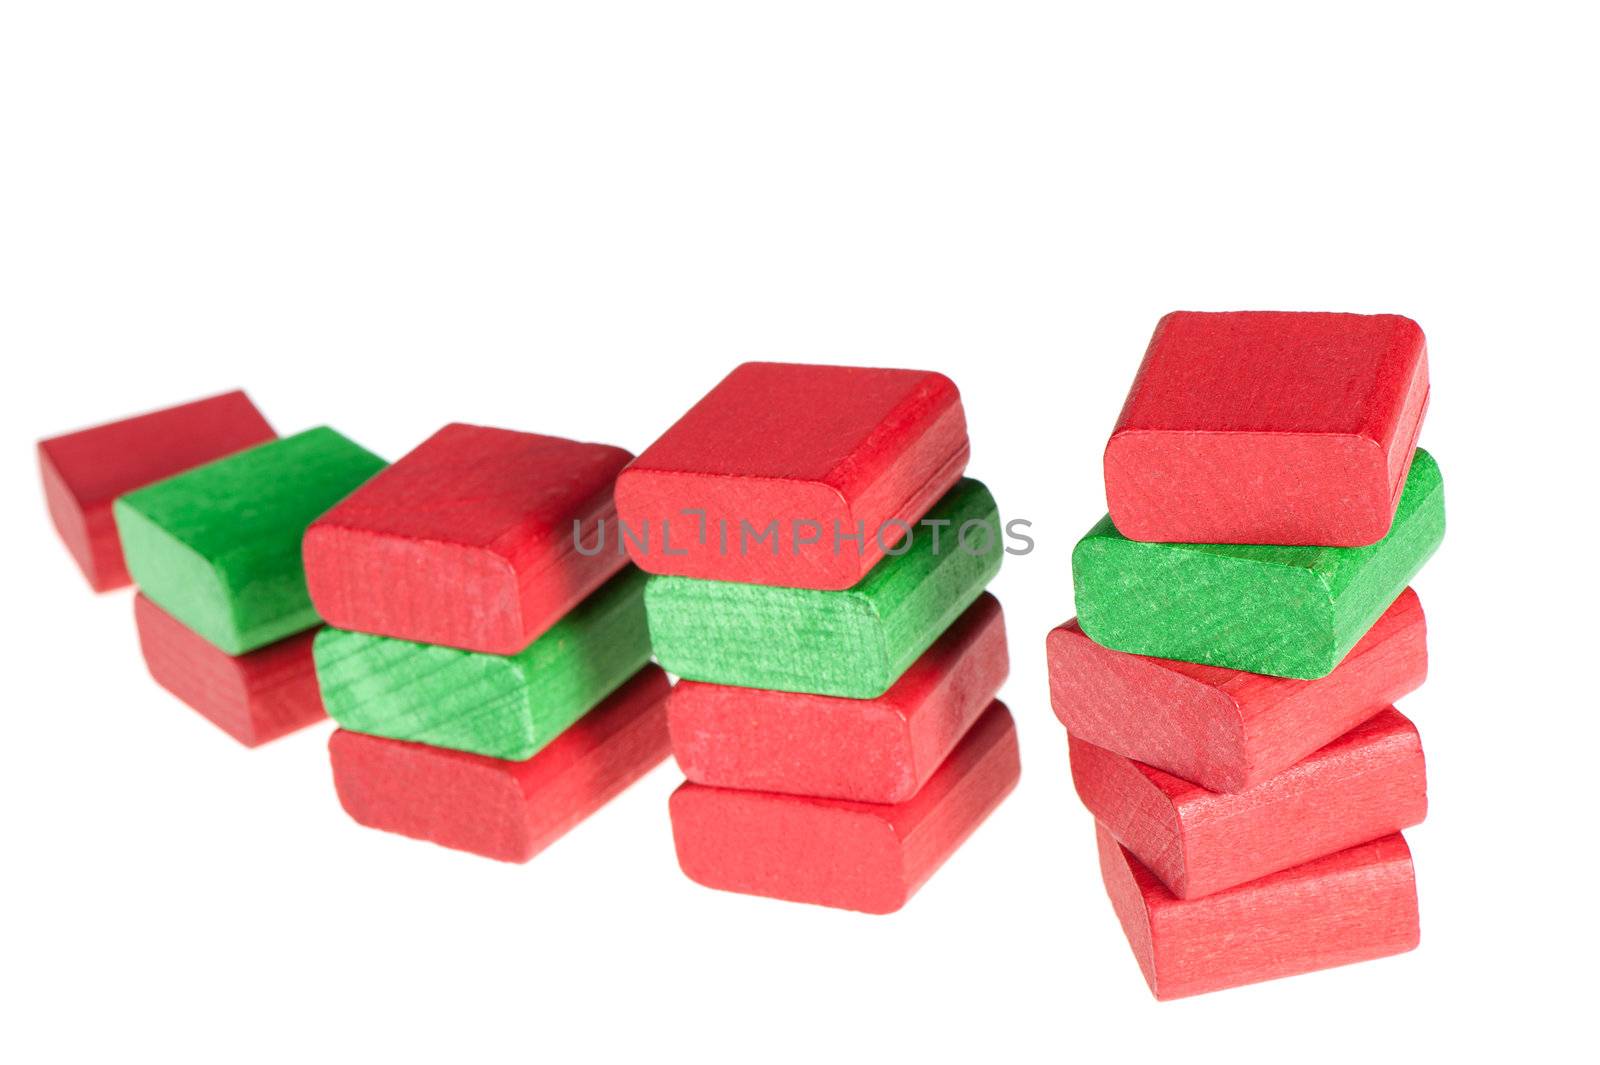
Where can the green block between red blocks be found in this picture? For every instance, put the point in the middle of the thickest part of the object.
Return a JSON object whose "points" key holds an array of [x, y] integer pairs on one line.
{"points": [[1281, 611], [502, 706], [218, 546], [853, 643]]}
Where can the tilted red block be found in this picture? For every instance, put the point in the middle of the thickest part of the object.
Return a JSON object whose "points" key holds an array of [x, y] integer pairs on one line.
{"points": [[84, 471], [1265, 427], [1224, 729], [834, 462], [870, 750], [1368, 783], [253, 697], [509, 811], [469, 540], [833, 852]]}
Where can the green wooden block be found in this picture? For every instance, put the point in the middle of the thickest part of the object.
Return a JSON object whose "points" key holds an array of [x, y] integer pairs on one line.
{"points": [[1282, 611], [854, 643], [218, 546], [503, 706]]}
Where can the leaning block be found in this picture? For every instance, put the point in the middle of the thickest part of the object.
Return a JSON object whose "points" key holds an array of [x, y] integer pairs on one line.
{"points": [[1220, 728], [1352, 906], [1366, 784], [809, 452], [479, 539], [849, 855], [84, 471], [854, 643], [870, 750], [499, 809], [218, 547], [254, 698], [1269, 428], [501, 706], [1284, 611]]}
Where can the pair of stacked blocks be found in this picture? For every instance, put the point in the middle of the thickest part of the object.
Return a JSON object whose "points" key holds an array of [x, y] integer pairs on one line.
{"points": [[1244, 627], [838, 658], [489, 672]]}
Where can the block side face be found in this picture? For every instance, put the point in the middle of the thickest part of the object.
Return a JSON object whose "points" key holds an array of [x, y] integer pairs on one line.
{"points": [[1129, 806], [100, 563], [950, 686], [1248, 488], [199, 675], [1126, 892], [177, 579], [281, 679]]}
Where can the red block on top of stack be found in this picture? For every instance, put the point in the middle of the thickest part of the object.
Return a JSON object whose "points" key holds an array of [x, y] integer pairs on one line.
{"points": [[1268, 427], [868, 750], [1224, 729], [837, 457], [1368, 783], [85, 471], [488, 511]]}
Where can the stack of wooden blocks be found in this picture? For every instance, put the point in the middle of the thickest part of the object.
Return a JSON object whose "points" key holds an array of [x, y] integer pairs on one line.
{"points": [[819, 566], [486, 658], [1244, 627], [203, 507]]}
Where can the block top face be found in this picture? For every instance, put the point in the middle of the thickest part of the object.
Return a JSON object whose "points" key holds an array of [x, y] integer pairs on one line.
{"points": [[1268, 427], [470, 541], [814, 449]]}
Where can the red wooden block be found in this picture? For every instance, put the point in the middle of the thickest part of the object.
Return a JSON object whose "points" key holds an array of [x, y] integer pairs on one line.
{"points": [[254, 697], [509, 811], [1223, 729], [1355, 905], [870, 750], [1368, 783], [1263, 427], [84, 471], [468, 541], [833, 852], [835, 461]]}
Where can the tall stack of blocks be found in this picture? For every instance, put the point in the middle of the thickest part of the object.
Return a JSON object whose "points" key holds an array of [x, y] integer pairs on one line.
{"points": [[818, 570], [1244, 627], [488, 666], [202, 506]]}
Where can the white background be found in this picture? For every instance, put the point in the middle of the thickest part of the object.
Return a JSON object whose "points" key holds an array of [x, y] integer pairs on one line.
{"points": [[574, 220]]}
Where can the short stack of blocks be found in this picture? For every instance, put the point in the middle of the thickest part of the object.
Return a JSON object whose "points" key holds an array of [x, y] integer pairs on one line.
{"points": [[489, 668], [818, 571], [1244, 627]]}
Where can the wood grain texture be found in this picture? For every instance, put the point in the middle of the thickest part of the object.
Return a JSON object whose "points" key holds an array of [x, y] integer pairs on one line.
{"points": [[1369, 783], [1284, 611], [848, 855], [854, 643], [84, 471], [869, 750], [1268, 428], [254, 698], [1352, 906], [468, 541], [1224, 729], [501, 706], [840, 446], [509, 811], [218, 547]]}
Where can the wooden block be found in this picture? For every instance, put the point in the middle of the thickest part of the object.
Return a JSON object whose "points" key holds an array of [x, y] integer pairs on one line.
{"points": [[1220, 728], [1352, 906], [218, 547], [1366, 784], [870, 750], [509, 811], [501, 706], [854, 643], [253, 697], [84, 471], [469, 540], [1269, 428], [1284, 611], [811, 450], [849, 855]]}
